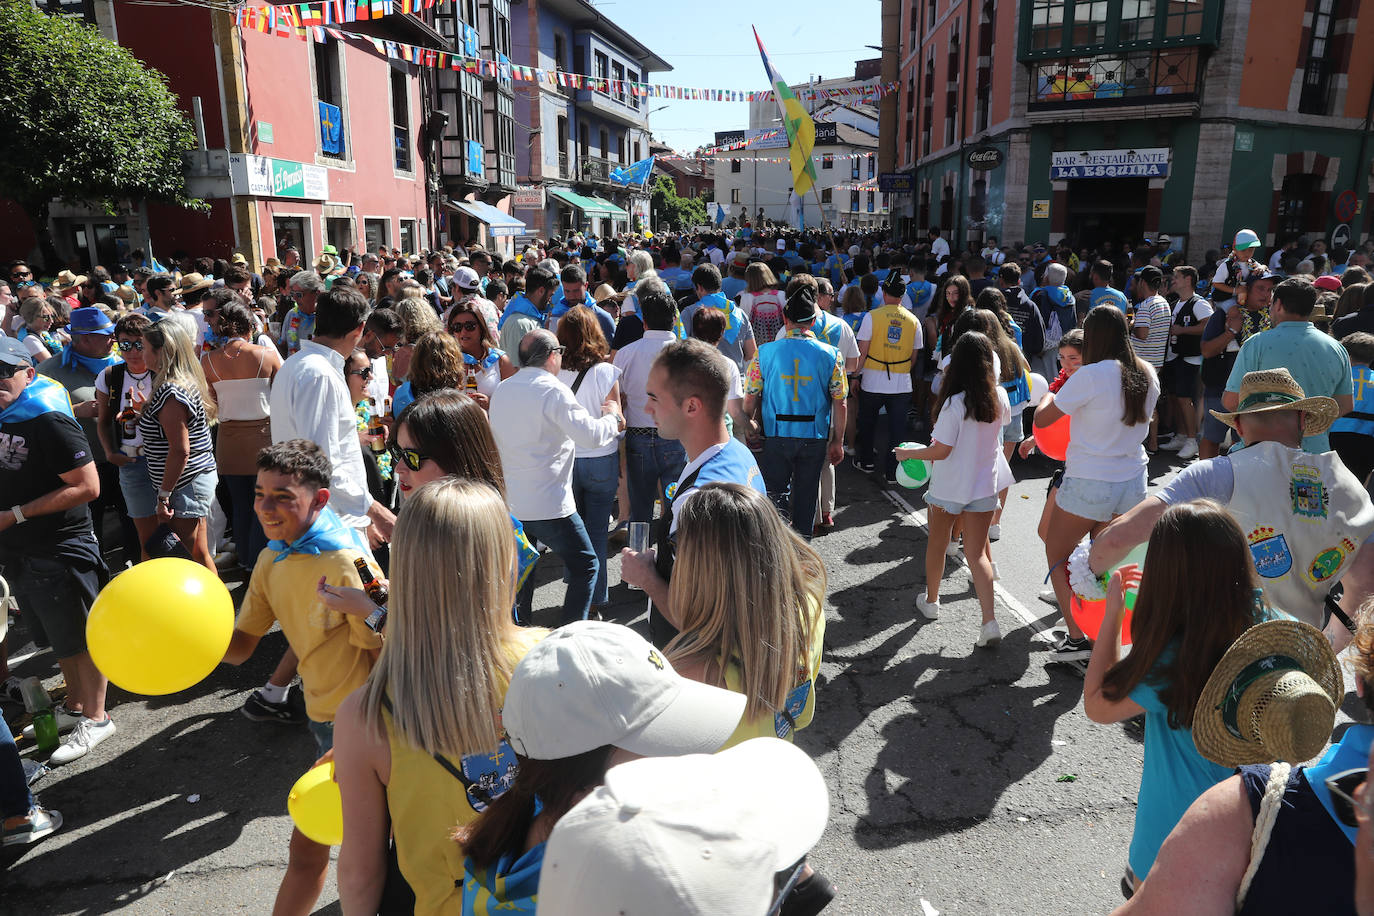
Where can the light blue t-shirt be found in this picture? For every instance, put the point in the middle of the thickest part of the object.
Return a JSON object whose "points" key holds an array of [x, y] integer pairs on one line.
{"points": [[1317, 362]]}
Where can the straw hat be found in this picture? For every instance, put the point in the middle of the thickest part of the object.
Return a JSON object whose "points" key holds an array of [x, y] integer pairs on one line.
{"points": [[194, 283], [68, 280], [1273, 696], [324, 264], [603, 292], [1274, 389]]}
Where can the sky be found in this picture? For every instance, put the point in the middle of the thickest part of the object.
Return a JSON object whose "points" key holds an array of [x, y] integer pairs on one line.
{"points": [[710, 46]]}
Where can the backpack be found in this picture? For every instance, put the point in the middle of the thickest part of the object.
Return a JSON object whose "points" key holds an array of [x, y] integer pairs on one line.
{"points": [[765, 314]]}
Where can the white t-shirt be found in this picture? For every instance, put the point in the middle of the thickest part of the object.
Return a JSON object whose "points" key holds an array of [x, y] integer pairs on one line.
{"points": [[590, 394], [142, 387], [34, 344], [939, 248], [876, 381], [1101, 446], [977, 467]]}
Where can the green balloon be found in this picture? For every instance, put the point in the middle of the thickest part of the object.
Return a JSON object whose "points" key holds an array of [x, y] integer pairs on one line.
{"points": [[1136, 556], [915, 470]]}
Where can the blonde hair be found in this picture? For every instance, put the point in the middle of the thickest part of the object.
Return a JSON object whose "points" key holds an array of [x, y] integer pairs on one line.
{"points": [[417, 317], [445, 664], [177, 363], [759, 277], [747, 590]]}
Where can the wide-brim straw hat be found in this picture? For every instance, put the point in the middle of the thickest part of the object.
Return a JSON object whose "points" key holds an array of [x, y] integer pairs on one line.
{"points": [[1274, 389], [1273, 696]]}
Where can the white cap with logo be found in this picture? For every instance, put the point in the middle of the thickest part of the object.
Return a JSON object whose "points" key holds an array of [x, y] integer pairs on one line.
{"points": [[686, 836], [590, 684]]}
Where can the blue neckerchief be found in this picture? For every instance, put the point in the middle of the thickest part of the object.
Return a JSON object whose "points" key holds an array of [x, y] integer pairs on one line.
{"points": [[327, 533], [92, 364], [1059, 296], [521, 305], [525, 553], [510, 885], [492, 358], [42, 395], [735, 319], [1351, 753], [561, 306]]}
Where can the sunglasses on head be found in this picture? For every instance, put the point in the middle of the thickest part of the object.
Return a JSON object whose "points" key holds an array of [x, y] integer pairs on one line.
{"points": [[126, 345], [457, 326], [407, 456], [1342, 787]]}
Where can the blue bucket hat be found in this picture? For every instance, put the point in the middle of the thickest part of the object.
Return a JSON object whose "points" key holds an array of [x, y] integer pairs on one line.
{"points": [[91, 320]]}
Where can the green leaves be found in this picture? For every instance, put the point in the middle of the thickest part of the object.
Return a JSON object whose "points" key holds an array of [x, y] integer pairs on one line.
{"points": [[84, 120], [680, 212]]}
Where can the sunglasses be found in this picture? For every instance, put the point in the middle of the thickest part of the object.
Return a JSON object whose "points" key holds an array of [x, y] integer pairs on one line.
{"points": [[1342, 787], [462, 326], [126, 345], [21, 275], [7, 371], [407, 456], [363, 374]]}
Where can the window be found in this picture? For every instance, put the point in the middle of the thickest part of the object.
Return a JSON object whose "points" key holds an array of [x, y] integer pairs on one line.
{"points": [[409, 241], [292, 232], [854, 201], [327, 72], [1161, 75], [734, 195], [1137, 20], [946, 206], [1090, 22], [329, 92], [1316, 74], [633, 77], [605, 145], [923, 215], [853, 166], [562, 146], [930, 14], [978, 202], [1047, 24], [338, 231], [603, 69], [400, 119], [827, 161], [618, 81], [636, 152], [734, 165], [558, 51], [583, 140], [872, 165], [472, 109], [376, 233], [620, 147], [827, 195], [870, 201], [1296, 204]]}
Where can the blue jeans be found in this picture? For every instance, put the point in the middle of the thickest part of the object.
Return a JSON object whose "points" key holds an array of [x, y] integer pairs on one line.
{"points": [[651, 464], [566, 537], [15, 797], [793, 466], [249, 537], [897, 406], [594, 483]]}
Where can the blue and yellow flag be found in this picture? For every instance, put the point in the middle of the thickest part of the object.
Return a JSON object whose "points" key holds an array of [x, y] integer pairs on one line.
{"points": [[801, 130]]}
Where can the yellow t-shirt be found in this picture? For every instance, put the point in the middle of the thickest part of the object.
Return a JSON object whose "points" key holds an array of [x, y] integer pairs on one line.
{"points": [[801, 699], [333, 648], [427, 801]]}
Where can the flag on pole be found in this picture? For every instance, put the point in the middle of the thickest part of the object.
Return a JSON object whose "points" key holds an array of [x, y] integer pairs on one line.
{"points": [[634, 174], [801, 130]]}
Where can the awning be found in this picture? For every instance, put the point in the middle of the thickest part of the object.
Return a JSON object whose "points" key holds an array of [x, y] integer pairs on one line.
{"points": [[591, 206], [500, 222]]}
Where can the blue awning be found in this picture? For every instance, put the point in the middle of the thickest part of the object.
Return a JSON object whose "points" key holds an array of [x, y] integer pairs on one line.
{"points": [[500, 222]]}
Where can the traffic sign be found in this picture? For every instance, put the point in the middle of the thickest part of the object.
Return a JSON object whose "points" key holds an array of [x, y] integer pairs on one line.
{"points": [[1344, 207], [1340, 237]]}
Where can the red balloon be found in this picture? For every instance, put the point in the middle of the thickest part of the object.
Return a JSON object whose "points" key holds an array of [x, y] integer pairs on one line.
{"points": [[1053, 440], [1089, 614]]}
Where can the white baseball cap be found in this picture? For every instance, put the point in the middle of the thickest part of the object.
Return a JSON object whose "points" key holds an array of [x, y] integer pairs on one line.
{"points": [[673, 836], [591, 684], [467, 278], [782, 244]]}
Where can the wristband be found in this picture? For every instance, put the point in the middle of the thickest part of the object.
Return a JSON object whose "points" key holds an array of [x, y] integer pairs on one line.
{"points": [[376, 621], [163, 495], [18, 515]]}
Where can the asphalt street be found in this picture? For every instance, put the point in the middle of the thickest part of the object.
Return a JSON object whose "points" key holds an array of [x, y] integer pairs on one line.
{"points": [[962, 780]]}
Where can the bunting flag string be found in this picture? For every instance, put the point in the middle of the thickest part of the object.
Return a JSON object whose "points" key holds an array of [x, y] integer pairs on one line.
{"points": [[315, 21]]}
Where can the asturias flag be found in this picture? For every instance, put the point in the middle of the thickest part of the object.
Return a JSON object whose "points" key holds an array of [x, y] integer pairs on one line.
{"points": [[636, 173], [801, 130]]}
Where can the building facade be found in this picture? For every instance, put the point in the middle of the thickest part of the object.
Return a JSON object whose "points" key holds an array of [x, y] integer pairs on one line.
{"points": [[1110, 120], [574, 138]]}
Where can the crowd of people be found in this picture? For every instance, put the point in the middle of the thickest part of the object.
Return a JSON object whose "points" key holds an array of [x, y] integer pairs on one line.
{"points": [[325, 431]]}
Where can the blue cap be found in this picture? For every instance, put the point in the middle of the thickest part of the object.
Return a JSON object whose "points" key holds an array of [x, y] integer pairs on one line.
{"points": [[91, 320]]}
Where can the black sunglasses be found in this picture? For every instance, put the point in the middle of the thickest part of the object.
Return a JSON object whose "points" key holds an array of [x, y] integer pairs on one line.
{"points": [[363, 374], [7, 371], [1342, 787], [126, 345], [457, 326], [407, 456], [21, 275]]}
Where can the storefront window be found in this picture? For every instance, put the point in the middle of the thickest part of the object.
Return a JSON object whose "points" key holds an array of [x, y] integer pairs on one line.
{"points": [[1109, 77]]}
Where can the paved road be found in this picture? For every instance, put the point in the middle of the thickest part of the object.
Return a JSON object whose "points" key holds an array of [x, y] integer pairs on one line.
{"points": [[966, 778]]}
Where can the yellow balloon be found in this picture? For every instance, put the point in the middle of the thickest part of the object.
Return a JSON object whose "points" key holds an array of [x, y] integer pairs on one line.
{"points": [[316, 807], [161, 626]]}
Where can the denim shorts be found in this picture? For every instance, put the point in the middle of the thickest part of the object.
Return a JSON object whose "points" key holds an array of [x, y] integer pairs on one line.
{"points": [[1015, 430], [139, 493], [192, 500], [985, 504], [1099, 500], [1213, 430], [323, 733]]}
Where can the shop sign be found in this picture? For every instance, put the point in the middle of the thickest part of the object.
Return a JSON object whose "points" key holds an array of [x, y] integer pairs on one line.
{"points": [[984, 158], [1110, 163], [528, 199], [260, 176], [896, 182], [1040, 209], [265, 134]]}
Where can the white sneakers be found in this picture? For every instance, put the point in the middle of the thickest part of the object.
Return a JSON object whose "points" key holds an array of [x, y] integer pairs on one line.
{"points": [[953, 551], [989, 636], [1172, 444], [930, 610], [1189, 450], [86, 735]]}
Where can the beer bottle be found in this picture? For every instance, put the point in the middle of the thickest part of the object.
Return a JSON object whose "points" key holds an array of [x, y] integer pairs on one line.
{"points": [[39, 706], [376, 432], [128, 418], [374, 588]]}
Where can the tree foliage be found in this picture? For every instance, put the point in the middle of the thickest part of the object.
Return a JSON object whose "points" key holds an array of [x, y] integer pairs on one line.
{"points": [[84, 120], [679, 212]]}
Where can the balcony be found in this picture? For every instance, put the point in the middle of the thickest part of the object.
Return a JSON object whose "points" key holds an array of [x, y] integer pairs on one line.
{"points": [[596, 170], [624, 109], [1115, 86]]}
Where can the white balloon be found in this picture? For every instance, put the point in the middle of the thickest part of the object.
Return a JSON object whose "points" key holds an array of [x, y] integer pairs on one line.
{"points": [[1038, 387]]}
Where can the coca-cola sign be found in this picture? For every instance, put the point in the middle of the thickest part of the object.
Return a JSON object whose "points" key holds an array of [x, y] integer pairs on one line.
{"points": [[984, 158]]}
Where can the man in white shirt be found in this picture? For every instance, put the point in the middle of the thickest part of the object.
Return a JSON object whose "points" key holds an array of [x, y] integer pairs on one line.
{"points": [[537, 424], [939, 251], [651, 462]]}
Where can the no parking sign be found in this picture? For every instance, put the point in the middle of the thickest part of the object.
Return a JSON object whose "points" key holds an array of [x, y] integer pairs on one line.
{"points": [[1344, 207]]}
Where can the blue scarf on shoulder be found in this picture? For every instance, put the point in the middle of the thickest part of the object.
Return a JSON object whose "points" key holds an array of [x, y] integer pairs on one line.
{"points": [[521, 305], [92, 364], [42, 395], [327, 533], [735, 319]]}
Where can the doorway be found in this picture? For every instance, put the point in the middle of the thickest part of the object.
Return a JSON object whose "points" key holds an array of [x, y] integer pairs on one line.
{"points": [[1106, 210]]}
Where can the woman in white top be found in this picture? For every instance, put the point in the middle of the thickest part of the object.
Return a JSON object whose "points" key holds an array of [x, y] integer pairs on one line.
{"points": [[968, 470], [36, 333], [596, 471], [1109, 400], [240, 375], [485, 364]]}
